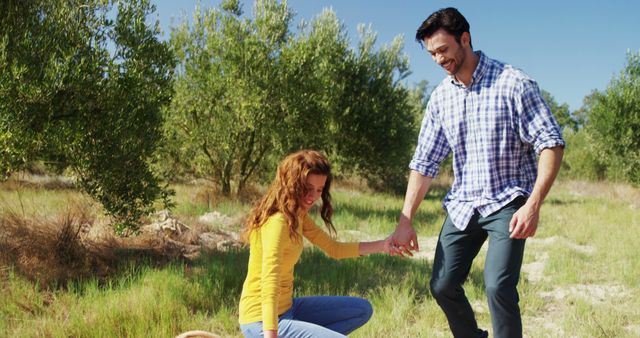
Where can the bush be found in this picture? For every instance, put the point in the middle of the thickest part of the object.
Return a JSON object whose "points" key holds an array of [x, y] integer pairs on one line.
{"points": [[614, 123], [580, 160]]}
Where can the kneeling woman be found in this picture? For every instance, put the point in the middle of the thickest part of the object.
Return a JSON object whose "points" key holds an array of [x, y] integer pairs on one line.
{"points": [[274, 231]]}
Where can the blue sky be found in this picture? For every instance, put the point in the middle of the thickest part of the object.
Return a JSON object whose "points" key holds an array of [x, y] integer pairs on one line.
{"points": [[570, 47]]}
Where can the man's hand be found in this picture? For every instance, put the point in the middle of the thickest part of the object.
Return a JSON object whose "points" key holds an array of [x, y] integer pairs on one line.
{"points": [[524, 222], [404, 239]]}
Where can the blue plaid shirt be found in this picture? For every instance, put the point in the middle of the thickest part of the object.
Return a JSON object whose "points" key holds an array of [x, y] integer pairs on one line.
{"points": [[495, 127]]}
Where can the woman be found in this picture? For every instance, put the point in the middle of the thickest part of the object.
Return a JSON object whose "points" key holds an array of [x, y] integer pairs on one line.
{"points": [[274, 231]]}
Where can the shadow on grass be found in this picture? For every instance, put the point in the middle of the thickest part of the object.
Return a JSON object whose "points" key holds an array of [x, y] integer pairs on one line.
{"points": [[216, 280], [220, 276], [353, 206], [390, 214], [563, 202], [421, 219], [317, 274]]}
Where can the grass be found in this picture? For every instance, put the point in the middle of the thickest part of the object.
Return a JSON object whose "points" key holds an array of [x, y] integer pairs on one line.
{"points": [[32, 201], [586, 243], [377, 214], [196, 200]]}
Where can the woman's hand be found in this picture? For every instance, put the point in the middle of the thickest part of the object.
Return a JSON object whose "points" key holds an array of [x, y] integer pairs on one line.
{"points": [[381, 246], [270, 333], [389, 246]]}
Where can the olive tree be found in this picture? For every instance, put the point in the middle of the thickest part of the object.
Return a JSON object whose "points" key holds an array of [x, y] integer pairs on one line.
{"points": [[248, 91], [86, 86], [560, 112], [226, 106], [614, 122]]}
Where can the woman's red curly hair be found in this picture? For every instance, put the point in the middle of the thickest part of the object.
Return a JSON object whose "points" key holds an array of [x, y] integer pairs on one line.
{"points": [[288, 188]]}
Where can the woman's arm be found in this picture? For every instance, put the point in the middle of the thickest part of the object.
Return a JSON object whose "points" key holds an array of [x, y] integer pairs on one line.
{"points": [[381, 246], [339, 250], [274, 235]]}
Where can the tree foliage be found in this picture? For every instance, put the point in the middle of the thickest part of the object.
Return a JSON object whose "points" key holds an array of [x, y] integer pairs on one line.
{"points": [[614, 122], [80, 86], [377, 118], [226, 106], [581, 160], [561, 112], [248, 91]]}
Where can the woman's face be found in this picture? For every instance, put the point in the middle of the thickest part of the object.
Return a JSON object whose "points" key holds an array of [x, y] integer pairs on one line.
{"points": [[315, 185]]}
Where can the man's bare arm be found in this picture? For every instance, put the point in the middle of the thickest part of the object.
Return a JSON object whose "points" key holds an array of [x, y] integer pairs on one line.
{"points": [[525, 221], [405, 237]]}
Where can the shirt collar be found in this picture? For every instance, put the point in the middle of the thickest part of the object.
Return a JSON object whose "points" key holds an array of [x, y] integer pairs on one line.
{"points": [[481, 68]]}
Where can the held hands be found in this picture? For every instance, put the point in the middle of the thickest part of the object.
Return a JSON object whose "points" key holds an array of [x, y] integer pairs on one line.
{"points": [[404, 239], [524, 222], [387, 246]]}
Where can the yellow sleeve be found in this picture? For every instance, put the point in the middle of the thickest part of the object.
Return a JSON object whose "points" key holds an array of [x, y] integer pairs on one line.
{"points": [[330, 246], [274, 233]]}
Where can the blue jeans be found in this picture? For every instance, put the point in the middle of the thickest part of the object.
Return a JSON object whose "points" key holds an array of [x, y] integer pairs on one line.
{"points": [[319, 316]]}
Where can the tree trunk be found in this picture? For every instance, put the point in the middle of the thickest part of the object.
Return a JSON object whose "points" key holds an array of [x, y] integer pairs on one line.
{"points": [[226, 186], [226, 178]]}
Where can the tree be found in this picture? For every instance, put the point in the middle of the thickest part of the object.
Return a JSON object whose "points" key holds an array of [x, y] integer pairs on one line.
{"points": [[352, 100], [248, 91], [614, 122], [560, 112], [226, 106], [376, 126], [88, 88], [581, 115]]}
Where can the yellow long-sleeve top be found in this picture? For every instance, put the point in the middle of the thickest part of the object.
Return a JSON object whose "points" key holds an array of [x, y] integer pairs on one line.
{"points": [[267, 291]]}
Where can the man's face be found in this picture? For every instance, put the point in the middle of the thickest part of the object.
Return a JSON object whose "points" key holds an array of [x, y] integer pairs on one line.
{"points": [[446, 51]]}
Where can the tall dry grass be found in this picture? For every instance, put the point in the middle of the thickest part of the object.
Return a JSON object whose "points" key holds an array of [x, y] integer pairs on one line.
{"points": [[54, 236], [49, 249]]}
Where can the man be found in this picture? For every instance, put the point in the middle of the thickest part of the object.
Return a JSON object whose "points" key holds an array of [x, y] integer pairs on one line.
{"points": [[492, 118]]}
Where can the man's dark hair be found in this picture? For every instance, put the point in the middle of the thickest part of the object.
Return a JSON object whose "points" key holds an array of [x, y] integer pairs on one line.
{"points": [[448, 19]]}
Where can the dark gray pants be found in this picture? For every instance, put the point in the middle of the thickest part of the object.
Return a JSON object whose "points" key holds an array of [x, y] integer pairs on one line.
{"points": [[454, 254]]}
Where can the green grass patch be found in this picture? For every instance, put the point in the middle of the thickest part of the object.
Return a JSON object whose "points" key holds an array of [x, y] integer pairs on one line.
{"points": [[586, 246]]}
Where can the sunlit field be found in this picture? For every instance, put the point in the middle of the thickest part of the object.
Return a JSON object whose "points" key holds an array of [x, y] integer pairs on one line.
{"points": [[579, 277]]}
